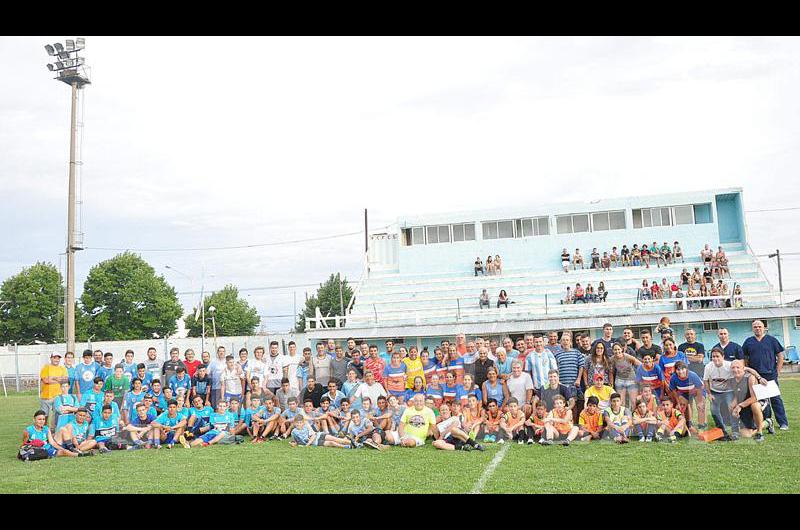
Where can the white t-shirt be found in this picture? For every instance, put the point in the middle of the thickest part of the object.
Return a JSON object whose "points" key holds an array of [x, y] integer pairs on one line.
{"points": [[719, 376], [257, 368], [372, 392], [233, 383], [518, 387], [292, 361], [274, 371]]}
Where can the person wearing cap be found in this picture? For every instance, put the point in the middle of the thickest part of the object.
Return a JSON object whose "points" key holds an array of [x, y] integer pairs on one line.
{"points": [[687, 387], [601, 391], [51, 375]]}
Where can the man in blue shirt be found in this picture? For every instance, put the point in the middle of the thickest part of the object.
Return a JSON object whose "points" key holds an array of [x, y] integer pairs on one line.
{"points": [[180, 383], [85, 374], [132, 397], [128, 366], [199, 415], [106, 370], [106, 427], [607, 339], [695, 352], [764, 354], [169, 426], [94, 397], [688, 387], [144, 376], [730, 350]]}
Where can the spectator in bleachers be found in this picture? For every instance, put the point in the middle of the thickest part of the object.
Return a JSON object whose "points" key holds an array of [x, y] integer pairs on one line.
{"points": [[614, 257], [677, 252], [722, 263], [665, 290], [579, 295], [590, 295], [655, 291], [479, 266], [645, 255], [577, 258], [666, 253], [657, 255], [706, 255], [636, 256], [716, 303], [498, 265], [605, 262], [708, 278], [602, 293], [737, 296], [502, 298], [489, 265], [625, 256], [595, 259], [680, 299], [695, 279], [565, 260], [568, 298], [484, 299], [644, 291], [685, 276]]}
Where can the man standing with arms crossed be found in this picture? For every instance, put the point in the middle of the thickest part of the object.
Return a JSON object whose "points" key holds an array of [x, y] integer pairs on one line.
{"points": [[215, 370], [52, 376], [764, 354]]}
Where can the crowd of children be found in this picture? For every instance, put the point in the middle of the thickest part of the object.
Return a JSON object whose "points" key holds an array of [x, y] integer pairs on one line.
{"points": [[467, 393]]}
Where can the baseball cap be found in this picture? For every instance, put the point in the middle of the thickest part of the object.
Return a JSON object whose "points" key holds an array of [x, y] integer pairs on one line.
{"points": [[55, 354], [598, 376]]}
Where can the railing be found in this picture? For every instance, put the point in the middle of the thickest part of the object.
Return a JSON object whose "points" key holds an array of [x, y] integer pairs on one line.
{"points": [[322, 322], [761, 270], [364, 274], [682, 302]]}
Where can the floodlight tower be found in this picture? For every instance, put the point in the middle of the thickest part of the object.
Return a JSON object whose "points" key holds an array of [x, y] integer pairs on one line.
{"points": [[71, 70]]}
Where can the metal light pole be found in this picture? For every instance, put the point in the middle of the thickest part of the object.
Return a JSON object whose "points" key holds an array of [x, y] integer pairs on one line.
{"points": [[71, 70]]}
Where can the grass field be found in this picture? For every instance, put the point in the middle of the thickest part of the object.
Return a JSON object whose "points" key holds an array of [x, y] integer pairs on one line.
{"points": [[690, 466]]}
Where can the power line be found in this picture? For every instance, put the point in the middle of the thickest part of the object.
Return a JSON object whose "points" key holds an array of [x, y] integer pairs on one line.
{"points": [[236, 247], [774, 210], [266, 288]]}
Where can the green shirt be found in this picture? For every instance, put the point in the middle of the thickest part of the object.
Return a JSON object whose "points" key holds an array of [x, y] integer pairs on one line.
{"points": [[119, 386]]}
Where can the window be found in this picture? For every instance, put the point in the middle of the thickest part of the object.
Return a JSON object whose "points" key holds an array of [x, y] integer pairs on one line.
{"points": [[418, 236], [616, 220], [498, 229], [444, 234], [684, 215], [710, 326], [637, 331], [537, 226], [438, 234], [647, 217], [600, 221], [797, 322], [569, 224], [608, 220]]}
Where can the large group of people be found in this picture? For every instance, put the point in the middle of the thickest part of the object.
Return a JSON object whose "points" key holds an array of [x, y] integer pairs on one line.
{"points": [[539, 389], [635, 256]]}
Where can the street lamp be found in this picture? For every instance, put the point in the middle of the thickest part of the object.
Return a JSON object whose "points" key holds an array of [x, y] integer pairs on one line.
{"points": [[72, 72]]}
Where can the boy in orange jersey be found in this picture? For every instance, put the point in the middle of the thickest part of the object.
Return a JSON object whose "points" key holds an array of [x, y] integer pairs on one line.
{"points": [[559, 424], [671, 422], [491, 422], [590, 421], [534, 426], [512, 424]]}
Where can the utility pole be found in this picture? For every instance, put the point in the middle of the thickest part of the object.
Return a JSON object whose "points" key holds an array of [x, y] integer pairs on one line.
{"points": [[777, 254], [72, 72]]}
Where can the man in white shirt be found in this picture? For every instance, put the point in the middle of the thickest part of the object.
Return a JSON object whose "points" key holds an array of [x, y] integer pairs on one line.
{"points": [[290, 363], [520, 386], [369, 388], [275, 364]]}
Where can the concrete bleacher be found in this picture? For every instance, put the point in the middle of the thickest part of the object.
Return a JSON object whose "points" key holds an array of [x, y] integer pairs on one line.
{"points": [[439, 298]]}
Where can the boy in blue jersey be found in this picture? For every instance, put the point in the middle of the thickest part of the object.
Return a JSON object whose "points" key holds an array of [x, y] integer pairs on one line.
{"points": [[239, 415], [303, 434], [198, 423], [382, 418], [106, 369], [144, 376], [85, 374], [221, 424], [361, 431], [148, 403], [39, 435], [180, 383], [92, 398], [334, 394], [132, 398], [140, 429], [258, 420], [65, 406], [169, 427], [687, 387], [201, 385], [326, 416], [311, 415], [343, 415], [76, 436], [159, 400], [108, 399], [288, 417], [105, 429]]}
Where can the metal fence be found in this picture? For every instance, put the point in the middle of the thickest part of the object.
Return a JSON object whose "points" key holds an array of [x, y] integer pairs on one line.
{"points": [[20, 364]]}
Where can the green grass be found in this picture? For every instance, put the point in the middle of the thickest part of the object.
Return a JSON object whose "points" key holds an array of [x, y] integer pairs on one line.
{"points": [[690, 466]]}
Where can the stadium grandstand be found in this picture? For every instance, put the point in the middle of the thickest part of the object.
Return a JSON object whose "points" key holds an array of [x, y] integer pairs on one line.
{"points": [[424, 278]]}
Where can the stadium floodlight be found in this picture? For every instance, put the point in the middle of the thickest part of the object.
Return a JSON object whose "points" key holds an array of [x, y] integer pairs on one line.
{"points": [[69, 63], [59, 65], [79, 61], [50, 49], [63, 55], [59, 47], [51, 67], [70, 45], [81, 43]]}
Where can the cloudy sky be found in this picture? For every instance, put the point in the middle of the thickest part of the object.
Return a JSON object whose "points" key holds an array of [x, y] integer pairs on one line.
{"points": [[234, 141]]}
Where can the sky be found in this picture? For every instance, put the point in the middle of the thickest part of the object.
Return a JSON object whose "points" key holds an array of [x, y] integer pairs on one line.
{"points": [[203, 142]]}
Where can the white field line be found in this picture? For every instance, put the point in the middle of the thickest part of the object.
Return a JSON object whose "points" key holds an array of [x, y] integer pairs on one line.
{"points": [[490, 468]]}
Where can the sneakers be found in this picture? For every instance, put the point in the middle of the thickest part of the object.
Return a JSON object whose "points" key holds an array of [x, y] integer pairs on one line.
{"points": [[542, 441], [520, 442], [648, 439], [479, 447], [466, 447], [501, 441], [642, 439], [369, 442], [489, 438], [758, 437], [771, 426], [565, 443], [673, 439], [530, 441], [734, 436], [784, 427], [103, 450], [184, 443]]}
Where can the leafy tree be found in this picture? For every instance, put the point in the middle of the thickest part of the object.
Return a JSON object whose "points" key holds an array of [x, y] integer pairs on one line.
{"points": [[124, 299], [32, 309], [233, 315], [327, 299]]}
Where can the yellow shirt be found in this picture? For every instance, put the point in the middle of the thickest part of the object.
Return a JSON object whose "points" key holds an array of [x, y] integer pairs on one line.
{"points": [[50, 391], [417, 422], [603, 395], [413, 370]]}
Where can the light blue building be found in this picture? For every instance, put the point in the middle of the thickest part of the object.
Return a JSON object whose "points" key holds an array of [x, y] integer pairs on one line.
{"points": [[419, 282]]}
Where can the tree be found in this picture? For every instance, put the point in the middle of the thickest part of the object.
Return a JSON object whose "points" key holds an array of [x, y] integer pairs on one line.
{"points": [[30, 306], [327, 299], [233, 315], [124, 299]]}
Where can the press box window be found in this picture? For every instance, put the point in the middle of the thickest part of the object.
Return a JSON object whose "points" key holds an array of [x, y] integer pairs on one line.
{"points": [[571, 224], [532, 227], [465, 232], [498, 229], [438, 234]]}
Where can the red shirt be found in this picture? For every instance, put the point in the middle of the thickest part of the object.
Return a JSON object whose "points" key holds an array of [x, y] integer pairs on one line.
{"points": [[376, 366], [191, 367]]}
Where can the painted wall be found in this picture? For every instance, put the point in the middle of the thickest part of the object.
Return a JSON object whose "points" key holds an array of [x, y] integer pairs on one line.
{"points": [[730, 218]]}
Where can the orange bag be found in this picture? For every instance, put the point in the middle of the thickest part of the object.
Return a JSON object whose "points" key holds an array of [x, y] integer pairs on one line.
{"points": [[711, 434]]}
